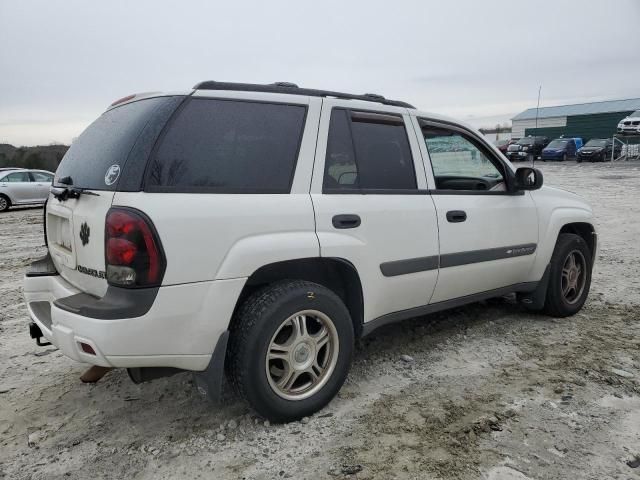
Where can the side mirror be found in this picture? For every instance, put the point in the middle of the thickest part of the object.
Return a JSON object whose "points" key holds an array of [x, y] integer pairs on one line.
{"points": [[528, 178]]}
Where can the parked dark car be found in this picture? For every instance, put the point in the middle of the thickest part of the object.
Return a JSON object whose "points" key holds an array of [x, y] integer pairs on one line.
{"points": [[527, 148], [598, 150], [502, 145], [560, 149]]}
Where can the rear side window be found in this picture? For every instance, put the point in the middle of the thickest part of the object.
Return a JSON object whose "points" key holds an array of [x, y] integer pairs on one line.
{"points": [[228, 146], [99, 154], [367, 152], [17, 177]]}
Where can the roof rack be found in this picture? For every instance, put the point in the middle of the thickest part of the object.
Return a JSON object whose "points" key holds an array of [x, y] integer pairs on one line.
{"points": [[292, 88]]}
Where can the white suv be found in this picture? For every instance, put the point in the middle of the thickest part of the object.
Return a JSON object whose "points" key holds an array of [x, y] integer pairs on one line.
{"points": [[259, 230], [630, 125]]}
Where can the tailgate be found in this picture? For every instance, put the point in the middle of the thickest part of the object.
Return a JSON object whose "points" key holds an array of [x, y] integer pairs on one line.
{"points": [[75, 233]]}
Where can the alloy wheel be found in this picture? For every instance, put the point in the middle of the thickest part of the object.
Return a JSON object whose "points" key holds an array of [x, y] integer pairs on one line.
{"points": [[574, 275], [302, 355]]}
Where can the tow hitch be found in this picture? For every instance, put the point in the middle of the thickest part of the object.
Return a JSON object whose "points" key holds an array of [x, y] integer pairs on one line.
{"points": [[35, 332]]}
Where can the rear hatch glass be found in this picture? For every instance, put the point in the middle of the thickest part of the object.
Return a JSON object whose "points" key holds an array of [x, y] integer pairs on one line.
{"points": [[95, 161], [97, 157]]}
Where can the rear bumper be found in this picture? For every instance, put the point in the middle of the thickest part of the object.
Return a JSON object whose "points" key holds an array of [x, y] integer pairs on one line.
{"points": [[180, 329]]}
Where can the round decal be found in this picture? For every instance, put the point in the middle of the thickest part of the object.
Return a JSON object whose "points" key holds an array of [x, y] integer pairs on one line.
{"points": [[112, 175]]}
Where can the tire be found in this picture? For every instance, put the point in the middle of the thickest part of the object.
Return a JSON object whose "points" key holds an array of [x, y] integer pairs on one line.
{"points": [[5, 203], [265, 324], [578, 160], [562, 301]]}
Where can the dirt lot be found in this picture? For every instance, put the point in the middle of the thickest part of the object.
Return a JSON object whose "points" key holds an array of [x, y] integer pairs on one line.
{"points": [[490, 391]]}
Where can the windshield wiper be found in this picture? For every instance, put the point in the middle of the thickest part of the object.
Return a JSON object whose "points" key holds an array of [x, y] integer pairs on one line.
{"points": [[64, 193]]}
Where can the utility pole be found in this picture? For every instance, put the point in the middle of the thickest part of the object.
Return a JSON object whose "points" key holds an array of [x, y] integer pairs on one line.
{"points": [[533, 157]]}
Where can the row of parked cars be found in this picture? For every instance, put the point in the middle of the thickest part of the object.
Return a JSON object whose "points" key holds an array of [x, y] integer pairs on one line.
{"points": [[563, 148]]}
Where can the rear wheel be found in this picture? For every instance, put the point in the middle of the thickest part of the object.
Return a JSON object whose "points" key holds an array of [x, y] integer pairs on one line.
{"points": [[290, 349], [570, 276], [5, 203]]}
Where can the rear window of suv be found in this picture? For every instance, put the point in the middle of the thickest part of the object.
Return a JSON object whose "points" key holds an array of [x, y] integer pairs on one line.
{"points": [[228, 146], [98, 155]]}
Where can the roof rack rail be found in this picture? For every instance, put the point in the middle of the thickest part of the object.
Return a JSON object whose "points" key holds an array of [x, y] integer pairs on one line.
{"points": [[292, 88]]}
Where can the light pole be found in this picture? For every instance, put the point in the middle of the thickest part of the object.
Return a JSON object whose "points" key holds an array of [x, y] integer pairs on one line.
{"points": [[533, 157]]}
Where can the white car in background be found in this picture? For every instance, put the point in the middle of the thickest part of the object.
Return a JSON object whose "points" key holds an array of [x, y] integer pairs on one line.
{"points": [[24, 187], [630, 125]]}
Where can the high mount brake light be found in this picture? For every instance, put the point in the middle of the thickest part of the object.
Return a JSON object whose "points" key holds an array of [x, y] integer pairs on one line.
{"points": [[133, 252], [122, 100]]}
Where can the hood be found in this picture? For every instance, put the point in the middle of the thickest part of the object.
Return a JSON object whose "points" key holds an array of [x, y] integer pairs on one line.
{"points": [[630, 119], [563, 198], [591, 149]]}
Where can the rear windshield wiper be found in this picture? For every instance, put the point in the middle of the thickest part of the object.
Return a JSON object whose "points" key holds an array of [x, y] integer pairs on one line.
{"points": [[64, 193]]}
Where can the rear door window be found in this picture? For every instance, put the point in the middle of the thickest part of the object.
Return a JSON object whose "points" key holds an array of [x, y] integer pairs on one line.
{"points": [[99, 154], [41, 177], [228, 146], [368, 151]]}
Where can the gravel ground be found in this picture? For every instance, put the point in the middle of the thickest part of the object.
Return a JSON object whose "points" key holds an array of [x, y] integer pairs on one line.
{"points": [[488, 391]]}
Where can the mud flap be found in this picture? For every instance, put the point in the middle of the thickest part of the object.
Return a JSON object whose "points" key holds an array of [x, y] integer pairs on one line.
{"points": [[535, 300], [209, 382]]}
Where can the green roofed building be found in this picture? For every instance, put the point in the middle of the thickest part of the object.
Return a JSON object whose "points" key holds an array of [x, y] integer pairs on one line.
{"points": [[584, 120]]}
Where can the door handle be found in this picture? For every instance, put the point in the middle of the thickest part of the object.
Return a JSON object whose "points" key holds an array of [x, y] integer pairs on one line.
{"points": [[456, 216], [346, 221]]}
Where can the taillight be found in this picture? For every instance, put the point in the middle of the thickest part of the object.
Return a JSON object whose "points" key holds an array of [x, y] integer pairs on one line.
{"points": [[133, 253]]}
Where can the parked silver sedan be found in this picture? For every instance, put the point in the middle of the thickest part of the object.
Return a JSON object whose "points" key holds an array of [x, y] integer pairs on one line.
{"points": [[24, 187]]}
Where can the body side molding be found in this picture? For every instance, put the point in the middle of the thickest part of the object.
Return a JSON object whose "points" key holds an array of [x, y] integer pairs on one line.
{"points": [[410, 265], [421, 264]]}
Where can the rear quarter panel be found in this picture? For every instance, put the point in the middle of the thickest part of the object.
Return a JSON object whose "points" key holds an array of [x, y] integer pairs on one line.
{"points": [[222, 236]]}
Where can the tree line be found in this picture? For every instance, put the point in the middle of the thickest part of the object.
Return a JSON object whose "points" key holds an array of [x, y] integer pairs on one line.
{"points": [[44, 157]]}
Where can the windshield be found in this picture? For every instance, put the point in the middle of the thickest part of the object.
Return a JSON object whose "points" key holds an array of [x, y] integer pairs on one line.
{"points": [[526, 141], [596, 143], [558, 144], [104, 146]]}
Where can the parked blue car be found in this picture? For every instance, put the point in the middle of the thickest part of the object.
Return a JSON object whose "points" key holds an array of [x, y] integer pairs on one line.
{"points": [[561, 149]]}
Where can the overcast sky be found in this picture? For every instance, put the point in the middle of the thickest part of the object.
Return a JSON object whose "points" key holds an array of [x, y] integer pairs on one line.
{"points": [[63, 62]]}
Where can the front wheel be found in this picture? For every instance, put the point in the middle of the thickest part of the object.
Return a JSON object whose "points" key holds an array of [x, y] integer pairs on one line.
{"points": [[290, 349], [4, 203], [570, 276]]}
